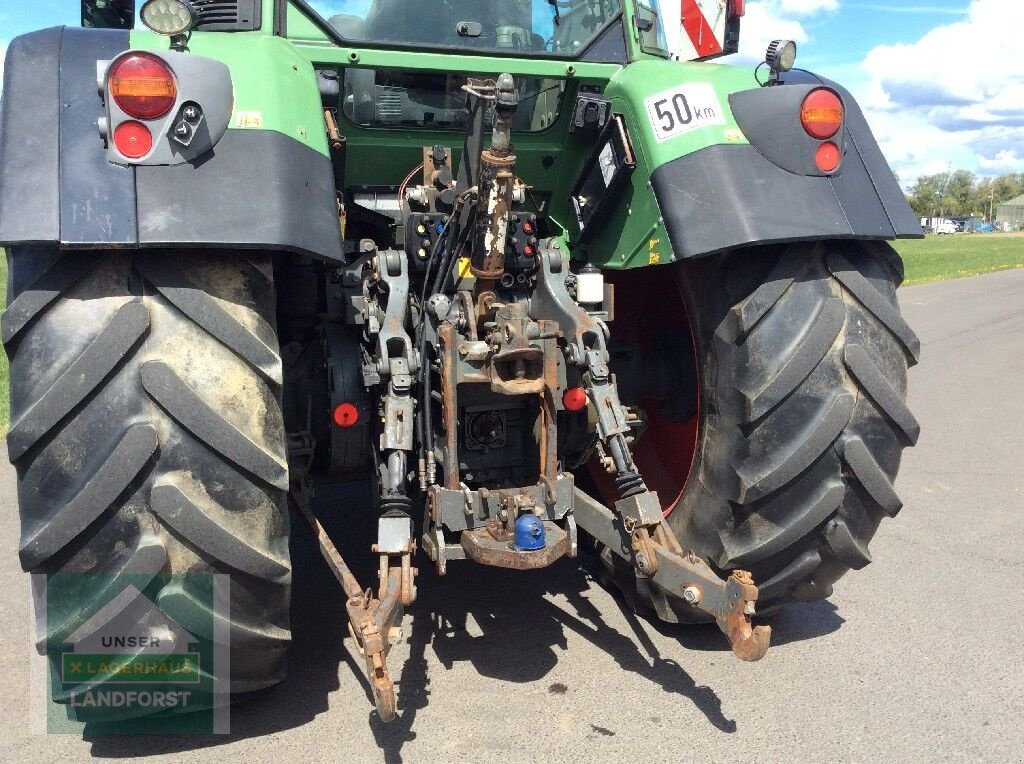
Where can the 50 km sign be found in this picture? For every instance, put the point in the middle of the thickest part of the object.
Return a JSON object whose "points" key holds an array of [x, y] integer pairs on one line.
{"points": [[682, 109]]}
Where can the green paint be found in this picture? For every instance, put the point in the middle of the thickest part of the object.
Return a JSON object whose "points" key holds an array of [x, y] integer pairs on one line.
{"points": [[275, 86], [634, 236], [633, 84], [451, 62], [275, 89]]}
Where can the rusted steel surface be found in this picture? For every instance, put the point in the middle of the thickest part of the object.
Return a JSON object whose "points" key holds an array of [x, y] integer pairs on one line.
{"points": [[517, 365], [334, 136], [749, 643], [330, 553], [497, 177], [373, 621], [482, 547], [373, 624]]}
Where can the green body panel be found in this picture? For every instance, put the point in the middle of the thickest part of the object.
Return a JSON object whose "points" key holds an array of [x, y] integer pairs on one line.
{"points": [[276, 89], [275, 86], [634, 235], [633, 84]]}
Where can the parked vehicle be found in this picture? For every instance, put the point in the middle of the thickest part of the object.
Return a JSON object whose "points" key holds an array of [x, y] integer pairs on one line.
{"points": [[543, 287]]}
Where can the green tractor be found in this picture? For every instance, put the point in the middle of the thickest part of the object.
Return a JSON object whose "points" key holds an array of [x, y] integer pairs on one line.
{"points": [[549, 289]]}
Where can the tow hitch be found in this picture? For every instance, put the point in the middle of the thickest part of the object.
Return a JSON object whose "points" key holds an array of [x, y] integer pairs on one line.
{"points": [[374, 622]]}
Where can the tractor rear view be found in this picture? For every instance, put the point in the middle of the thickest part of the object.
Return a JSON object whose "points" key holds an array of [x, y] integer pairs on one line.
{"points": [[548, 289]]}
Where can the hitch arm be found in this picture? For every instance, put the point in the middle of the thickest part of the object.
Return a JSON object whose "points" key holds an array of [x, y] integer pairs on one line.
{"points": [[680, 574], [373, 622]]}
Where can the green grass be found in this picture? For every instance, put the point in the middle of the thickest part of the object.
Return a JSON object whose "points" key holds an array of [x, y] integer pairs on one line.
{"points": [[948, 257]]}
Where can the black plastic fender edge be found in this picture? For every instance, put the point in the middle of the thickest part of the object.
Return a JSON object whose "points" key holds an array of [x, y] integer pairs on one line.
{"points": [[257, 189], [732, 196]]}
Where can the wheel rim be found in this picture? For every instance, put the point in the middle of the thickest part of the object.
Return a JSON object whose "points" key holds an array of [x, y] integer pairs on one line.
{"points": [[649, 306]]}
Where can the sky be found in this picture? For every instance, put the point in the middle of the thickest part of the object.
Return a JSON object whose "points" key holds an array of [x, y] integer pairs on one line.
{"points": [[940, 81]]}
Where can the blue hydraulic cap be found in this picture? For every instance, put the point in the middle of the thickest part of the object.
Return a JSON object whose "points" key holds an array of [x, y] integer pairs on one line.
{"points": [[529, 533]]}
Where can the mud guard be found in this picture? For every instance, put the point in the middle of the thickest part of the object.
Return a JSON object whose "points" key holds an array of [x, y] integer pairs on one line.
{"points": [[770, 192], [256, 189]]}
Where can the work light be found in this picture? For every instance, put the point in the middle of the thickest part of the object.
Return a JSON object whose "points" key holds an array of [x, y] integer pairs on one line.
{"points": [[168, 17], [781, 56]]}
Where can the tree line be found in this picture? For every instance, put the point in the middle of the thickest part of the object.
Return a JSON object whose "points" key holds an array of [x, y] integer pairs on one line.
{"points": [[960, 193]]}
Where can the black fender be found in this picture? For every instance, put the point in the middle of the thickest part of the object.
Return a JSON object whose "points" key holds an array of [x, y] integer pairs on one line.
{"points": [[732, 196], [256, 189]]}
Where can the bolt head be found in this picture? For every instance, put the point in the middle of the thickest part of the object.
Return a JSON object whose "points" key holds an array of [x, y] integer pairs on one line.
{"points": [[691, 594]]}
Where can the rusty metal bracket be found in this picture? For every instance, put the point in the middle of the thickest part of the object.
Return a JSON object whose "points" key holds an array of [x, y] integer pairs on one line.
{"points": [[679, 573], [488, 548], [730, 602], [374, 621]]}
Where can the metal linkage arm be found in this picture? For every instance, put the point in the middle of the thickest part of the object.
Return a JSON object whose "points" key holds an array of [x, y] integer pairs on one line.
{"points": [[374, 621], [394, 362], [635, 530], [681, 574]]}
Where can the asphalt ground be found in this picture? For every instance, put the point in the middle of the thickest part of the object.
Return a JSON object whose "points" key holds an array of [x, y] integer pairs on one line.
{"points": [[917, 657]]}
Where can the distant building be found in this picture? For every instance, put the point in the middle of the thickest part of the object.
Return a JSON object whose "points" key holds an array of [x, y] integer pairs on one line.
{"points": [[1010, 215]]}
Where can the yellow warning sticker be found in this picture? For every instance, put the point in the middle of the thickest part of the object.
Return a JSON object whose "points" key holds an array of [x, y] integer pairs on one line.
{"points": [[250, 119], [464, 268], [653, 258]]}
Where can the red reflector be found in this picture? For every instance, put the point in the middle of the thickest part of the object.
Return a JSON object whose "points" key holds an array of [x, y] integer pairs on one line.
{"points": [[345, 415], [821, 114], [827, 157], [133, 139], [142, 86], [574, 399], [527, 227], [527, 250], [738, 7]]}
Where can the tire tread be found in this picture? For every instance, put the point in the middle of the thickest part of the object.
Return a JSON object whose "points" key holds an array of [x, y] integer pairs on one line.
{"points": [[113, 384]]}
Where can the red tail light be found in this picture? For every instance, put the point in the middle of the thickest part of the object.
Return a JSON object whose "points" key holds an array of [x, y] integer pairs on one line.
{"points": [[143, 86], [738, 7], [133, 139], [821, 114], [827, 157]]}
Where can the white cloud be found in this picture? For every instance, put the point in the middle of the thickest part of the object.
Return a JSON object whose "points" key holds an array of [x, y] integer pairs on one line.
{"points": [[1004, 161], [954, 97], [932, 10], [768, 20], [807, 7]]}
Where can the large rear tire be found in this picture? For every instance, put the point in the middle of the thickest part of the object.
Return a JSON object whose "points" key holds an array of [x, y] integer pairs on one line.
{"points": [[148, 439], [801, 369]]}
